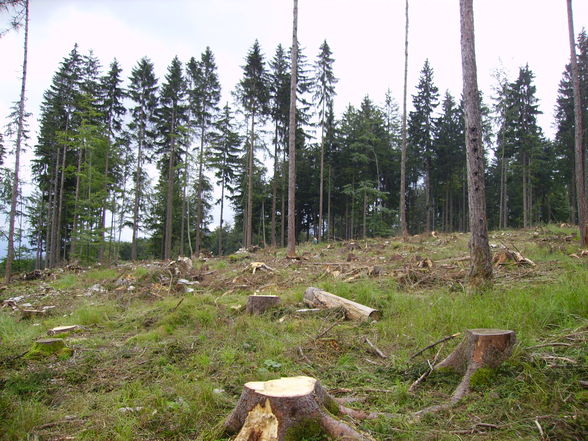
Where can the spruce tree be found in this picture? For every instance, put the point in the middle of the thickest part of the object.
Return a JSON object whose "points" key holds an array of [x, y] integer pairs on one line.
{"points": [[113, 111], [172, 120], [324, 92], [142, 129], [203, 96], [224, 159], [253, 94], [421, 132]]}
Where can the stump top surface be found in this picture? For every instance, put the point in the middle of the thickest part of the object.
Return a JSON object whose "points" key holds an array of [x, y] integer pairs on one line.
{"points": [[265, 296], [284, 387], [48, 341], [485, 331]]}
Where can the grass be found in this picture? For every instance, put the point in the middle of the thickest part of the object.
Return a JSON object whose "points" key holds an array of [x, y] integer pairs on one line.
{"points": [[172, 366]]}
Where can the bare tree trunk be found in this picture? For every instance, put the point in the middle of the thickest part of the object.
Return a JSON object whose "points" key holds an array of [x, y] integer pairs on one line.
{"points": [[283, 211], [322, 177], [19, 138], [274, 188], [199, 203], [329, 220], [249, 217], [222, 207], [365, 205], [72, 248], [579, 150], [404, 148], [184, 197], [291, 251], [170, 194], [481, 266], [138, 190]]}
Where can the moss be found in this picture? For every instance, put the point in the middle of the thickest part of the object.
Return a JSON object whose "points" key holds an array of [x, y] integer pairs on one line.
{"points": [[47, 347], [308, 429], [332, 406], [482, 378]]}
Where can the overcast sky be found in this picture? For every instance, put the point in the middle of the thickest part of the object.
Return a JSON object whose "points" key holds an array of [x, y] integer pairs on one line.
{"points": [[366, 37]]}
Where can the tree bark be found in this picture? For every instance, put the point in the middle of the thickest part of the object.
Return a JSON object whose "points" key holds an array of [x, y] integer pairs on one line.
{"points": [[291, 251], [290, 408], [257, 304], [404, 148], [19, 138], [578, 130], [249, 214], [318, 298], [170, 193], [199, 202], [481, 259]]}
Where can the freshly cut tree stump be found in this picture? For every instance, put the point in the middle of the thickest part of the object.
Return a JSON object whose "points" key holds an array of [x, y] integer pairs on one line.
{"points": [[260, 304], [479, 348], [290, 408], [318, 298]]}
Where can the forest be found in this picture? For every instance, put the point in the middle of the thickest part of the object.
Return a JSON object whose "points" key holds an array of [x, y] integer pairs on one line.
{"points": [[127, 152]]}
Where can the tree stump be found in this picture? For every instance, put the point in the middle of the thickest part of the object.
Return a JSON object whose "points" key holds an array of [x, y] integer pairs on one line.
{"points": [[479, 348], [260, 304], [289, 408], [318, 298]]}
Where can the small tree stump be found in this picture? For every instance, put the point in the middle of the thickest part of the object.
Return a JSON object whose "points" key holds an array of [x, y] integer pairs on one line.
{"points": [[318, 298], [479, 348], [289, 408], [260, 304]]}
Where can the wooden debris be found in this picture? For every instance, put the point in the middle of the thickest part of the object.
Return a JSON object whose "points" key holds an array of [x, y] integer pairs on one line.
{"points": [[375, 349], [318, 298], [506, 256], [432, 345], [258, 304], [254, 266], [291, 407], [63, 329]]}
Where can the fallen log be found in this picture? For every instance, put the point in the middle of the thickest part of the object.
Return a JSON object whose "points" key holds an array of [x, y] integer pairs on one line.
{"points": [[290, 408], [259, 304], [479, 348], [318, 298]]}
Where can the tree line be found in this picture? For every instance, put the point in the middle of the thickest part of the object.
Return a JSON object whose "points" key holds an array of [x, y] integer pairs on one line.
{"points": [[143, 154]]}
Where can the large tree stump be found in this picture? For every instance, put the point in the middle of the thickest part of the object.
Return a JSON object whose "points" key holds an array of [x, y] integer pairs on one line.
{"points": [[260, 304], [318, 298], [479, 348], [290, 408]]}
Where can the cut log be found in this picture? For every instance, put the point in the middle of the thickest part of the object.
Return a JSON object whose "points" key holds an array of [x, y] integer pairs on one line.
{"points": [[290, 408], [63, 329], [318, 298], [479, 348], [260, 304]]}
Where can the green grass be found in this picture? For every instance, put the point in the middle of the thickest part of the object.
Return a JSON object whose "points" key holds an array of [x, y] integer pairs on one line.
{"points": [[180, 362]]}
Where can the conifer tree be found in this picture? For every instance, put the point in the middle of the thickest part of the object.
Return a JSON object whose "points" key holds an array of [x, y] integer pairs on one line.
{"points": [[224, 159], [20, 139], [203, 96], [143, 93], [421, 131], [481, 265], [113, 111], [172, 120], [279, 86], [253, 94], [404, 148], [291, 251], [324, 92]]}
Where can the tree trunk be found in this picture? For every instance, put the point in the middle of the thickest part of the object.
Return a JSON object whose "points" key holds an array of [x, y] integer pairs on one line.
{"points": [[479, 348], [199, 204], [481, 259], [322, 177], [258, 304], [138, 190], [578, 131], [184, 198], [290, 408], [318, 298], [19, 138], [249, 216], [404, 148], [329, 220], [291, 251], [220, 231], [73, 240], [170, 193], [274, 188]]}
